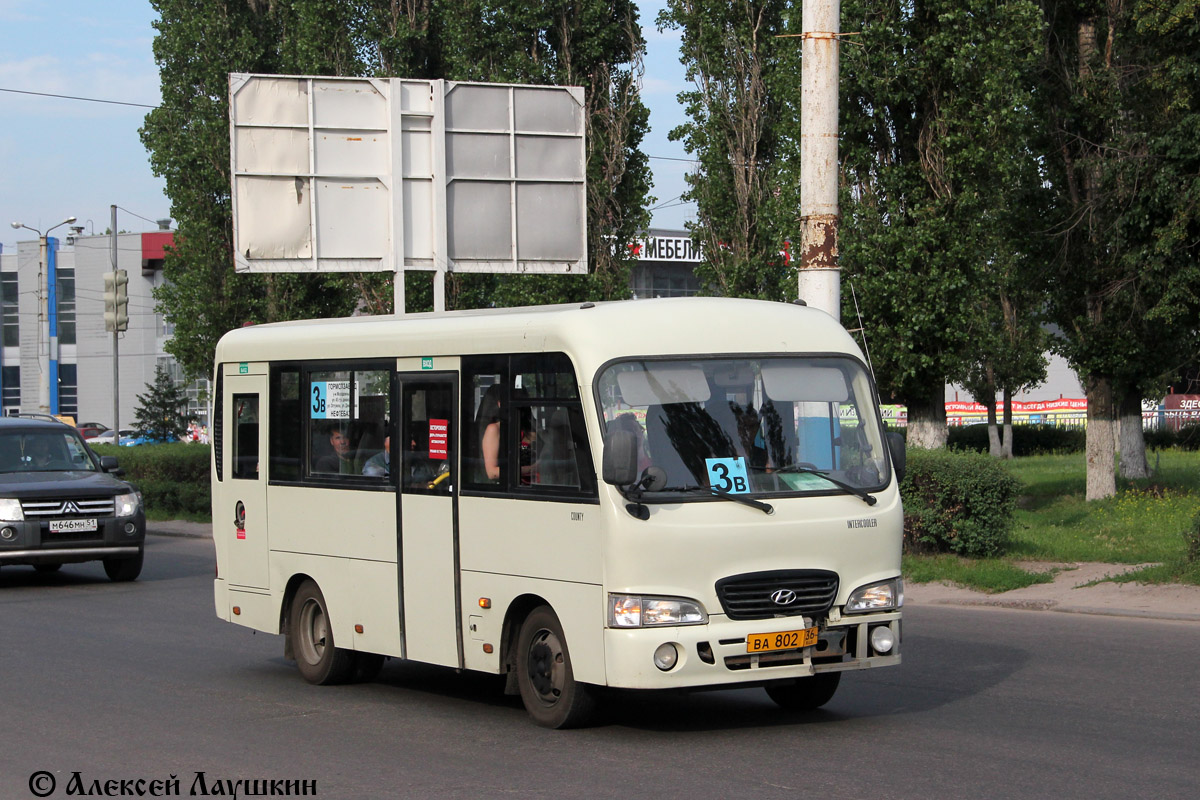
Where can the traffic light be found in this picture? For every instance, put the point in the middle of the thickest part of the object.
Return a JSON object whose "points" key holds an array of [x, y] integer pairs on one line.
{"points": [[116, 301]]}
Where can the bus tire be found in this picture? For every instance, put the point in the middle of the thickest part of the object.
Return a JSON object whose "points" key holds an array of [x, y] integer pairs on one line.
{"points": [[124, 569], [318, 658], [552, 696], [805, 694]]}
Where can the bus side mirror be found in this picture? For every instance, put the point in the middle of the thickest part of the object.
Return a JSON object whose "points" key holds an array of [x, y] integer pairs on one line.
{"points": [[620, 458], [899, 455]]}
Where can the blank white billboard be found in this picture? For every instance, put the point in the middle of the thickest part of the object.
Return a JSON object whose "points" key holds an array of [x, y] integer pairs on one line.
{"points": [[359, 174]]}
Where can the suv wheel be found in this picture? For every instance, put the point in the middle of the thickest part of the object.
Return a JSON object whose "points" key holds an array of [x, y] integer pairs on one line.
{"points": [[124, 569]]}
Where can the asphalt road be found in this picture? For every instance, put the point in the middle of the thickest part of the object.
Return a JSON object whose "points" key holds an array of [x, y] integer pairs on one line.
{"points": [[141, 681]]}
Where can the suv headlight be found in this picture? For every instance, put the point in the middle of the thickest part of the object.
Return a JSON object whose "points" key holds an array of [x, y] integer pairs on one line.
{"points": [[638, 611], [10, 510], [883, 596], [127, 504]]}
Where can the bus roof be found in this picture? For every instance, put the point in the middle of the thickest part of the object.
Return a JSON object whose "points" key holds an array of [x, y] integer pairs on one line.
{"points": [[591, 333]]}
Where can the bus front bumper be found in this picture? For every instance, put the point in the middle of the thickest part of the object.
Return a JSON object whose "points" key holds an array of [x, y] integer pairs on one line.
{"points": [[716, 654]]}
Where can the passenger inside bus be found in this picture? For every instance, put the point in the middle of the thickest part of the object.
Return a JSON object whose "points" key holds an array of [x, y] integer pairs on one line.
{"points": [[339, 456], [487, 421], [379, 465]]}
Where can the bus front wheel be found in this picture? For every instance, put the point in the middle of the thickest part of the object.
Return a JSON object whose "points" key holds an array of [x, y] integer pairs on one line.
{"points": [[552, 696], [320, 661], [805, 694]]}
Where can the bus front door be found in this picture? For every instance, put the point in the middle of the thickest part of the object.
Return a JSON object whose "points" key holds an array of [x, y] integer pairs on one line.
{"points": [[430, 619]]}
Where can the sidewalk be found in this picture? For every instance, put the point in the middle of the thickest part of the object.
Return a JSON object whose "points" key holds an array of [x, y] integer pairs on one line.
{"points": [[1067, 593]]}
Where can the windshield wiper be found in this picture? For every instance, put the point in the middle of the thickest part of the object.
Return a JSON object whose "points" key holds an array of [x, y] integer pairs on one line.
{"points": [[869, 499], [766, 508]]}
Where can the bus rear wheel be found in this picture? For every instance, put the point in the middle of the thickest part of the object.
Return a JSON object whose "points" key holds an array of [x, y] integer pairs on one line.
{"points": [[805, 694], [319, 660], [552, 696]]}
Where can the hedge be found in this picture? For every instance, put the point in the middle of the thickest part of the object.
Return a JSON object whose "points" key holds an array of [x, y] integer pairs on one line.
{"points": [[1028, 440], [173, 478], [1186, 438], [957, 502]]}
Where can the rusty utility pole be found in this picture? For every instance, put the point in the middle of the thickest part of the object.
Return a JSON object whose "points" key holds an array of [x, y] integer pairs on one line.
{"points": [[820, 282]]}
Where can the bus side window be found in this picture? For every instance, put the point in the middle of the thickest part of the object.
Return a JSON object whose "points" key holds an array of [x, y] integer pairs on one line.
{"points": [[348, 412], [284, 426], [483, 401], [245, 437], [523, 422]]}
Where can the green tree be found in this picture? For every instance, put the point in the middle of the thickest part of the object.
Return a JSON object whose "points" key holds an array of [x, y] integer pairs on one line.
{"points": [[162, 411], [745, 80], [197, 45], [593, 43], [1120, 87], [1009, 351], [936, 120]]}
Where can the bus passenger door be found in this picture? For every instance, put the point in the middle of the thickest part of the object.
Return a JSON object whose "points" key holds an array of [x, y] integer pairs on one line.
{"points": [[243, 522], [430, 619]]}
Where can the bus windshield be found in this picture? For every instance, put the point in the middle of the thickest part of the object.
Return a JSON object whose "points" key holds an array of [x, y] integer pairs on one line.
{"points": [[760, 426]]}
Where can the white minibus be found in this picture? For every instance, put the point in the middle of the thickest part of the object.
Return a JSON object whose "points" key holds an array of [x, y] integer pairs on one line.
{"points": [[649, 494]]}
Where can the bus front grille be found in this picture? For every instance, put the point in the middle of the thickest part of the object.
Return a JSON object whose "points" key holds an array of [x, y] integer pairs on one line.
{"points": [[786, 593]]}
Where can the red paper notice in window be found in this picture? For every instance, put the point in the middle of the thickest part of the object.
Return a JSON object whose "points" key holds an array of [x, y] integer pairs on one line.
{"points": [[439, 434]]}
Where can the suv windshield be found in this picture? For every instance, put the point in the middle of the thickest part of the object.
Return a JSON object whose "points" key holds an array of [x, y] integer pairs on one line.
{"points": [[762, 426], [43, 451]]}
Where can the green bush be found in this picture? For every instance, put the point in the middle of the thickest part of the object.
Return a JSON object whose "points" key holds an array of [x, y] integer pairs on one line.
{"points": [[173, 478], [957, 502], [1028, 440]]}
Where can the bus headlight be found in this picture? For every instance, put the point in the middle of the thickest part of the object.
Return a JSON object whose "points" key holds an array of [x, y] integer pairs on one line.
{"points": [[10, 509], [126, 504], [638, 611], [883, 596]]}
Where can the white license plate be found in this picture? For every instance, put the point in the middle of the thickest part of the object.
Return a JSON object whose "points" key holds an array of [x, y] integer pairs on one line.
{"points": [[72, 525]]}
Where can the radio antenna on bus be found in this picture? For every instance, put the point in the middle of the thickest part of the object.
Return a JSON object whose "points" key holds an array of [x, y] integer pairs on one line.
{"points": [[862, 330]]}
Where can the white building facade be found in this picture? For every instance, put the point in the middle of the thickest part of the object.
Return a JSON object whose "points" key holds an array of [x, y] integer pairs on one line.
{"points": [[60, 360]]}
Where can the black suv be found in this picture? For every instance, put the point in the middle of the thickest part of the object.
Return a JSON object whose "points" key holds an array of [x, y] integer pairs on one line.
{"points": [[61, 504]]}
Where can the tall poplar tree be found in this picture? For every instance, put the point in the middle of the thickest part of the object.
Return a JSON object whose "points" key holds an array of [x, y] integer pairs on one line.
{"points": [[745, 81], [1121, 92], [196, 47], [935, 120]]}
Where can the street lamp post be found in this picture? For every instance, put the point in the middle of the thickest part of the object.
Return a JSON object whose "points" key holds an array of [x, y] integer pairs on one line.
{"points": [[44, 354]]}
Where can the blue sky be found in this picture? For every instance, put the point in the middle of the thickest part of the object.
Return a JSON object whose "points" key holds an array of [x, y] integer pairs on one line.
{"points": [[61, 158]]}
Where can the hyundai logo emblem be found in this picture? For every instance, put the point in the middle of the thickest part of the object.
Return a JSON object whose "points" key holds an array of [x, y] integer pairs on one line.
{"points": [[783, 597]]}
